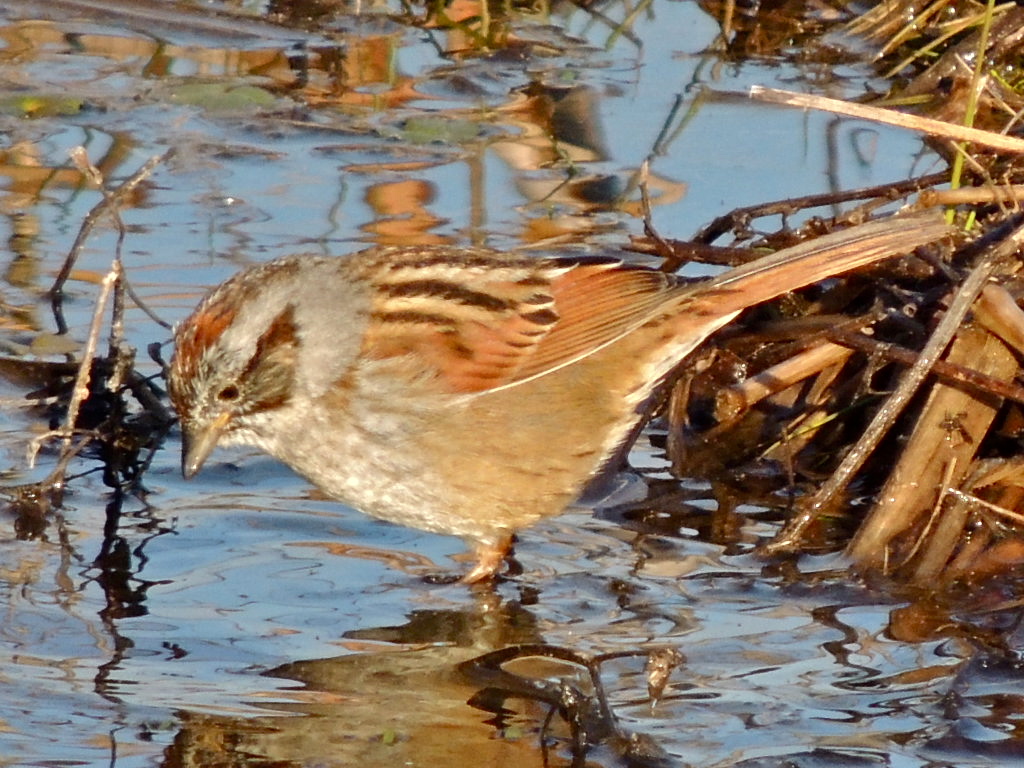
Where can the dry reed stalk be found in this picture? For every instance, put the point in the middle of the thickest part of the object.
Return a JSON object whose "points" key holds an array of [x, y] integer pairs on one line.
{"points": [[938, 454], [1010, 194], [785, 374], [940, 128]]}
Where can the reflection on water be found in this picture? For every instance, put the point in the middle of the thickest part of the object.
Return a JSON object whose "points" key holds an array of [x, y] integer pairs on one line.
{"points": [[241, 620], [384, 704]]}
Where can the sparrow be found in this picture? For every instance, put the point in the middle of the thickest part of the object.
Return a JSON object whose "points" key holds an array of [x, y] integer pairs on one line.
{"points": [[459, 389]]}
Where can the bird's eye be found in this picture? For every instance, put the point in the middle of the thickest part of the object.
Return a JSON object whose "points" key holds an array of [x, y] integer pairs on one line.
{"points": [[228, 394]]}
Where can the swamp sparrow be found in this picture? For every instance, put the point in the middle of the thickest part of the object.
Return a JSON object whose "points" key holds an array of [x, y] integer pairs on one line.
{"points": [[458, 389]]}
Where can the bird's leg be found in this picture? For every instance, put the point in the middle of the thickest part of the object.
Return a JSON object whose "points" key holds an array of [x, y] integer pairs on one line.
{"points": [[489, 557]]}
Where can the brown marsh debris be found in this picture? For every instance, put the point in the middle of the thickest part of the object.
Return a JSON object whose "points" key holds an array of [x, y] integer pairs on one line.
{"points": [[884, 414], [902, 388]]}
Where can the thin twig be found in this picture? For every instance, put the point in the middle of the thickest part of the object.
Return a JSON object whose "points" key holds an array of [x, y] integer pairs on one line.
{"points": [[665, 250], [970, 498], [36, 444], [109, 203], [933, 517], [81, 388], [951, 372], [141, 304], [895, 190], [81, 160]]}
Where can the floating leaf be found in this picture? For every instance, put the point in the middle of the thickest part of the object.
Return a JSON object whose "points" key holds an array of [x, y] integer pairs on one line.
{"points": [[439, 130], [218, 97], [53, 344], [41, 105]]}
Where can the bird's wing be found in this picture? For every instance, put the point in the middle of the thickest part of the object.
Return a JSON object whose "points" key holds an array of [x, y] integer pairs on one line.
{"points": [[481, 320]]}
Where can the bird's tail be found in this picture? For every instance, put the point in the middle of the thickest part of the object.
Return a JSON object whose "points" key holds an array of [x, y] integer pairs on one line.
{"points": [[819, 259]]}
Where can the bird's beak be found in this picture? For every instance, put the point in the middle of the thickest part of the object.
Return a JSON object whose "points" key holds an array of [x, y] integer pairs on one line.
{"points": [[198, 443]]}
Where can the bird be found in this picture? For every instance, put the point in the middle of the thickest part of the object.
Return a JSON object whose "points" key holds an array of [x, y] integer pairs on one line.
{"points": [[458, 389]]}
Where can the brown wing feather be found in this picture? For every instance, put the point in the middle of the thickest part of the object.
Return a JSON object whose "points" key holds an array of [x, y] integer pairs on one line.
{"points": [[596, 304], [485, 320]]}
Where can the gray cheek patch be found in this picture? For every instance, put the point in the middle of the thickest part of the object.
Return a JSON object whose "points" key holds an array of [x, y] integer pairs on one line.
{"points": [[331, 321]]}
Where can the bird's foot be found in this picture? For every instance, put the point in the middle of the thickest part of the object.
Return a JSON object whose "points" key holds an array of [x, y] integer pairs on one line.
{"points": [[490, 556]]}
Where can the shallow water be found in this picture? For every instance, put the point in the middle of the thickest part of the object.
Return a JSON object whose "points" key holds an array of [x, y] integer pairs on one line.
{"points": [[240, 619]]}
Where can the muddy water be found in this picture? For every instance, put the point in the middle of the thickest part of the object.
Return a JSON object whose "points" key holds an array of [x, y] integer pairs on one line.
{"points": [[242, 620]]}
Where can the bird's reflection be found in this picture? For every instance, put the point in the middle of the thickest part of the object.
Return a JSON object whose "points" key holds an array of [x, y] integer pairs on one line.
{"points": [[400, 700]]}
